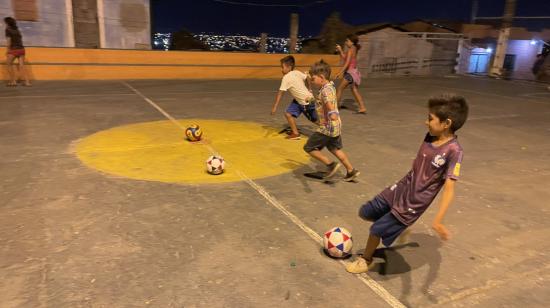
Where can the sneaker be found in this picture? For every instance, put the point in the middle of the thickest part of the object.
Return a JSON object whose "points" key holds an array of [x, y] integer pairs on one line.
{"points": [[350, 176], [358, 266], [332, 168], [293, 137]]}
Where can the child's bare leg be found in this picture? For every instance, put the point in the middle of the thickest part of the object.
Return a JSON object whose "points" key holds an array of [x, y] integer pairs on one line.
{"points": [[358, 98], [23, 71], [372, 244], [292, 122], [343, 158], [341, 87], [9, 66], [320, 157]]}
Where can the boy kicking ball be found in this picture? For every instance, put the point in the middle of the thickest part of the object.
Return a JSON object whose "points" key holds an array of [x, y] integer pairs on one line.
{"points": [[437, 165]]}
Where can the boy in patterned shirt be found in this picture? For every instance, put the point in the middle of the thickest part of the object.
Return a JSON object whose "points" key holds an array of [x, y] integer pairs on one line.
{"points": [[330, 124], [437, 165]]}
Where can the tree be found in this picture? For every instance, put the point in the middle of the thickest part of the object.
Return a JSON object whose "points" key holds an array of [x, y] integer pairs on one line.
{"points": [[334, 31]]}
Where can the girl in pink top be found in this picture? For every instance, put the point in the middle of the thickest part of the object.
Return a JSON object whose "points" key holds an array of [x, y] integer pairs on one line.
{"points": [[350, 72]]}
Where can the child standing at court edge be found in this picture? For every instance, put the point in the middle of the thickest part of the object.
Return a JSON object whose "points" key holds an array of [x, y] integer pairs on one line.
{"points": [[330, 124], [15, 50], [295, 82], [437, 165]]}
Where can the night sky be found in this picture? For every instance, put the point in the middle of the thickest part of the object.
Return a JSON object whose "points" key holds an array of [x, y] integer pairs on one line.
{"points": [[221, 17]]}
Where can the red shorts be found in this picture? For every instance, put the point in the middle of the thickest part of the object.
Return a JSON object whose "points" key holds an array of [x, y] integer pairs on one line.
{"points": [[17, 52]]}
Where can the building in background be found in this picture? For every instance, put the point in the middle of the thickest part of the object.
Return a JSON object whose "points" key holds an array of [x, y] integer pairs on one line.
{"points": [[423, 47], [121, 24], [521, 53], [402, 50]]}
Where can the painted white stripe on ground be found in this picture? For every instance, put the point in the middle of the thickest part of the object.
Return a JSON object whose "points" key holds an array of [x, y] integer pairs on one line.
{"points": [[64, 95], [504, 116], [491, 94], [371, 283], [127, 94], [169, 117], [536, 94]]}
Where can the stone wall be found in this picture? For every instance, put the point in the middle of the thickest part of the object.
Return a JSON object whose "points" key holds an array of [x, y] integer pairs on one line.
{"points": [[50, 27], [127, 24]]}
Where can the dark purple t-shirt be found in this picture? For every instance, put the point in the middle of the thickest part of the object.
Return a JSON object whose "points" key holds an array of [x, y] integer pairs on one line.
{"points": [[16, 39], [414, 193]]}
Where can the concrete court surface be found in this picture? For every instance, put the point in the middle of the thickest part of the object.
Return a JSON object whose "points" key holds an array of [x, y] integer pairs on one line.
{"points": [[73, 236]]}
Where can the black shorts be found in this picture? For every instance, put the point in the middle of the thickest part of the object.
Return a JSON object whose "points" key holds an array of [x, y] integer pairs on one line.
{"points": [[318, 141], [348, 77]]}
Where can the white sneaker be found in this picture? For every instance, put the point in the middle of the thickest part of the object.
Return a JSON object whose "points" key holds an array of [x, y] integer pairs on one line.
{"points": [[358, 266]]}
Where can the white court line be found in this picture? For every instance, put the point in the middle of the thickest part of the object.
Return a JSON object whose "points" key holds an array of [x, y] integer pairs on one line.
{"points": [[492, 94], [64, 95], [536, 94], [368, 90], [371, 283], [126, 94], [504, 116]]}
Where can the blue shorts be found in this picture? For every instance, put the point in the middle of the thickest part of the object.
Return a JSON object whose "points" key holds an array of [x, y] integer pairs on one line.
{"points": [[295, 110], [385, 226]]}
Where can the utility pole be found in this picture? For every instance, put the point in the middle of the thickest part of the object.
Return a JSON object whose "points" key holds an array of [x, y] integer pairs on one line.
{"points": [[475, 8], [293, 33], [263, 42], [504, 34]]}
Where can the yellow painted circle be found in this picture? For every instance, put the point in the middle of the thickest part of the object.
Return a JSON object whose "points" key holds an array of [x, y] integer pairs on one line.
{"points": [[159, 151]]}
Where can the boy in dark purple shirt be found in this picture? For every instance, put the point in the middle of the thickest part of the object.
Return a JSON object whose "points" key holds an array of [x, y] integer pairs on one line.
{"points": [[437, 165]]}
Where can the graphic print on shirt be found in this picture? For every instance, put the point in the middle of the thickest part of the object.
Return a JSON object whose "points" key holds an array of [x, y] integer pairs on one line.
{"points": [[439, 160]]}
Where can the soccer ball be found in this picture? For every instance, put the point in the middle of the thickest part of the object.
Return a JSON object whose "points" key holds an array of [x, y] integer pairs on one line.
{"points": [[193, 133], [215, 165], [337, 242]]}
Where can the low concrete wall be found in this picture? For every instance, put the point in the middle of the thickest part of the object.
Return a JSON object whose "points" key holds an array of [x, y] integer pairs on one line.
{"points": [[88, 64]]}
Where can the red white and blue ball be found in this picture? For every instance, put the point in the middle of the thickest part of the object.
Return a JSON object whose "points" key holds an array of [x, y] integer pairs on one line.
{"points": [[337, 242], [193, 133], [215, 165]]}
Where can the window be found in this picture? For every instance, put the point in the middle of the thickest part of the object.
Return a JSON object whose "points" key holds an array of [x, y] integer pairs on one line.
{"points": [[509, 62], [26, 10]]}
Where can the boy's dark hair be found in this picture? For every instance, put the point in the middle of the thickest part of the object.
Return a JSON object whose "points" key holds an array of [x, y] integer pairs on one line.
{"points": [[450, 106], [320, 68], [289, 60], [10, 21], [354, 39]]}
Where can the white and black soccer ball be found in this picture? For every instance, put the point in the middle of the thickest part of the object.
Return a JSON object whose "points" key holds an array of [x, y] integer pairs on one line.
{"points": [[215, 165]]}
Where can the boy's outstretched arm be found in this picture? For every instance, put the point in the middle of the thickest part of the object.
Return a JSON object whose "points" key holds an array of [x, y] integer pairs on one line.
{"points": [[277, 101], [444, 203]]}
